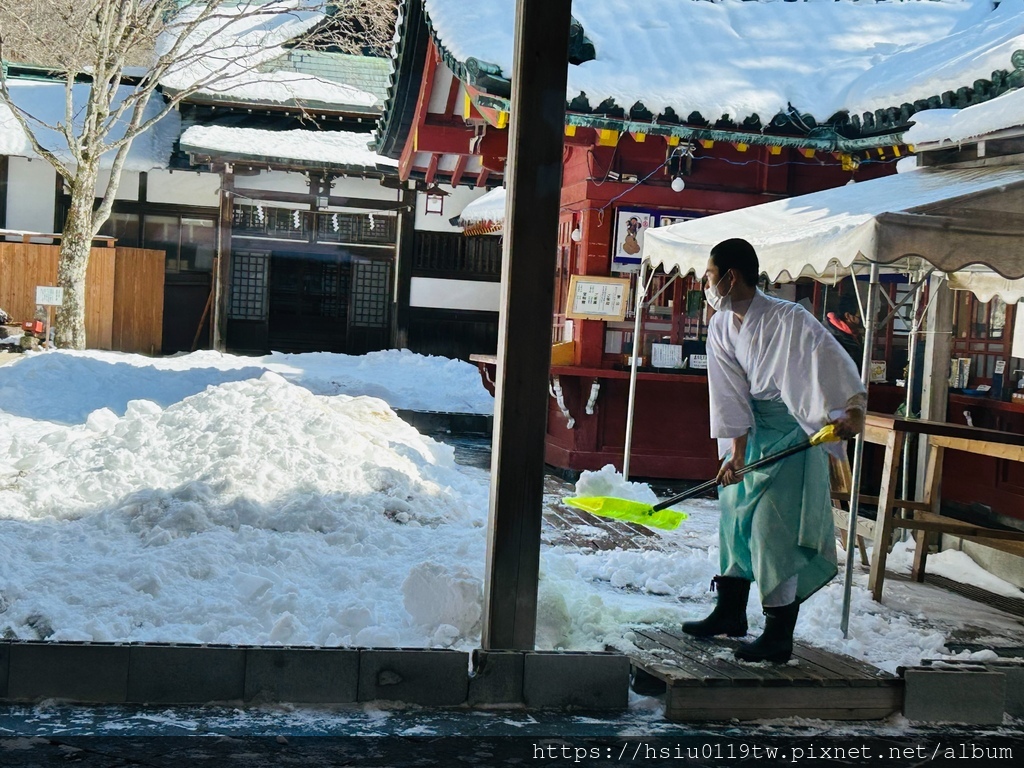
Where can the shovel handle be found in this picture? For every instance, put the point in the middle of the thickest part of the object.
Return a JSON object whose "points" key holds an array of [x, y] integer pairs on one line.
{"points": [[762, 462]]}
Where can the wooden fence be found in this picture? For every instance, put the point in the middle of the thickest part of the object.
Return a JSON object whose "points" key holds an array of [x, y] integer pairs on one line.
{"points": [[124, 292]]}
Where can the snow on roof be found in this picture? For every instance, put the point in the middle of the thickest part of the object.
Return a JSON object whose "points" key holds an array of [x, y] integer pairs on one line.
{"points": [[329, 147], [45, 101], [486, 209], [284, 87], [227, 56], [737, 58], [936, 126]]}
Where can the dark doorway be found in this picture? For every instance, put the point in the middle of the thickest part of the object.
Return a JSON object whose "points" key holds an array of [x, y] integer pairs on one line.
{"points": [[309, 302], [186, 312]]}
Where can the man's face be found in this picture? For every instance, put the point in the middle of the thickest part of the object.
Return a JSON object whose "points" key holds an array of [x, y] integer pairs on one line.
{"points": [[711, 276], [722, 284]]}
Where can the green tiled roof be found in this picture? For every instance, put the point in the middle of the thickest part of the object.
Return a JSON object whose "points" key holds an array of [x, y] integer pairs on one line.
{"points": [[367, 73]]}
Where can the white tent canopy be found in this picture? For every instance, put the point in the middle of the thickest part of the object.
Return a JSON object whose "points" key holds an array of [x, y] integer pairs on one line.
{"points": [[949, 219]]}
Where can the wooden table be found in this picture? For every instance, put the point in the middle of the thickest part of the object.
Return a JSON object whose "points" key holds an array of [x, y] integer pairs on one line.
{"points": [[925, 516]]}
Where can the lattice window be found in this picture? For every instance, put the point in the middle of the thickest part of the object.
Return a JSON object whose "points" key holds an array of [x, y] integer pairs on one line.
{"points": [[359, 228], [248, 285], [335, 290], [266, 221], [370, 292], [452, 254]]}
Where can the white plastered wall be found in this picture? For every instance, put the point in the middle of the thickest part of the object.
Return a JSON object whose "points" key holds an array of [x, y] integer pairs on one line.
{"points": [[183, 188], [434, 293], [452, 205], [31, 194]]}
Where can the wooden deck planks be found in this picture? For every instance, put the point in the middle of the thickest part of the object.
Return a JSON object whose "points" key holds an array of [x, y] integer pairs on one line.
{"points": [[704, 682]]}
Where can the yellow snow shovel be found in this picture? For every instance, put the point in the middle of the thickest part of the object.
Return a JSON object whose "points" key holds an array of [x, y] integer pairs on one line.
{"points": [[659, 515]]}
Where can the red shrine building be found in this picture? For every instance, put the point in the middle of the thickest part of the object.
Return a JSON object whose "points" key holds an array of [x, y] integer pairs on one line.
{"points": [[679, 110]]}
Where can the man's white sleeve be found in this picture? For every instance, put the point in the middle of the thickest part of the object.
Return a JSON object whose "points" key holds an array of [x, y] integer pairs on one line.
{"points": [[820, 378], [729, 392]]}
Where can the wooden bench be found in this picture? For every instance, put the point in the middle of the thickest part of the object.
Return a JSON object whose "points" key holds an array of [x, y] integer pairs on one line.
{"points": [[925, 516]]}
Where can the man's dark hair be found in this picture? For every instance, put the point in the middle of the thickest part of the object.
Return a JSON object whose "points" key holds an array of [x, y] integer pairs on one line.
{"points": [[736, 253], [848, 305]]}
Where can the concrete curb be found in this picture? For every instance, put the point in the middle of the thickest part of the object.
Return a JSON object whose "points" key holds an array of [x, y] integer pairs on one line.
{"points": [[169, 673], [1012, 668], [959, 693]]}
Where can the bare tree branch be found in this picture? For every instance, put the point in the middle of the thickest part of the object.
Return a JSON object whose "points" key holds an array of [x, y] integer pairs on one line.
{"points": [[179, 47]]}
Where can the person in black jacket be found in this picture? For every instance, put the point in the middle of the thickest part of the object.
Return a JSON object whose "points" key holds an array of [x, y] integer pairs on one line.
{"points": [[847, 327]]}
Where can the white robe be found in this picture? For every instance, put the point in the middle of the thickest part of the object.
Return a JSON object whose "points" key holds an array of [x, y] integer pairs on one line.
{"points": [[778, 352]]}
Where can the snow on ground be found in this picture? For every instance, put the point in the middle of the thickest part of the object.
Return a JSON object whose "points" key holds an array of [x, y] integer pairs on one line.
{"points": [[67, 386], [280, 500]]}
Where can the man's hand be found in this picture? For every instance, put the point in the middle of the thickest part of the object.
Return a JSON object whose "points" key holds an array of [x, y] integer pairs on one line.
{"points": [[727, 475], [850, 424]]}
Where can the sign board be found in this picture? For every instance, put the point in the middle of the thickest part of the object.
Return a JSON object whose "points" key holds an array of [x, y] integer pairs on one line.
{"points": [[1017, 349], [877, 370], [667, 355], [699, 362], [597, 298], [49, 296], [630, 226]]}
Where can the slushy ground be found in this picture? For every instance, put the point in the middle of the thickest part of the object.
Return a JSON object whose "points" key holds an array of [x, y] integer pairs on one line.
{"points": [[370, 736]]}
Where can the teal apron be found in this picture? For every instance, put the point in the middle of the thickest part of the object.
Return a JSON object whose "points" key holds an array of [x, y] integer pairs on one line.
{"points": [[777, 522]]}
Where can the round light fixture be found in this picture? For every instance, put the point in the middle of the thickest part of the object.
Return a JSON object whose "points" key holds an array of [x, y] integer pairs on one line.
{"points": [[678, 185], [576, 235]]}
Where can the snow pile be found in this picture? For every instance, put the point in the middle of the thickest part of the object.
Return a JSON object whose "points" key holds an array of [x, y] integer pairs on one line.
{"points": [[220, 499], [66, 386], [745, 58], [335, 147], [254, 511]]}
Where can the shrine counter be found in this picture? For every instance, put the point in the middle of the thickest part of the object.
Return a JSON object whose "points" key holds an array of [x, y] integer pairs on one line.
{"points": [[587, 423]]}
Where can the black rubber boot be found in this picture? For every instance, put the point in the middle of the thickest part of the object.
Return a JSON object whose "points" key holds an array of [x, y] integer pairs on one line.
{"points": [[776, 642], [730, 614]]}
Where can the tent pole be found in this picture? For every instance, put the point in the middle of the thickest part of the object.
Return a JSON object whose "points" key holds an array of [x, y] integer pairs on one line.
{"points": [[641, 292], [858, 450]]}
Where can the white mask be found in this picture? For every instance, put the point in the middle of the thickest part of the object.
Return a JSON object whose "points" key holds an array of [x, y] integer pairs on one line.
{"points": [[715, 300]]}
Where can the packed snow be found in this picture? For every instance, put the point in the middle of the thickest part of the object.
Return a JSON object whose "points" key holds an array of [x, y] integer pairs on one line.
{"points": [[280, 500], [335, 147], [760, 57]]}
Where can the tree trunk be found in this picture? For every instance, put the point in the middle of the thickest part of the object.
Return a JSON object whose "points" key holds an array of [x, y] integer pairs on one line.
{"points": [[74, 261]]}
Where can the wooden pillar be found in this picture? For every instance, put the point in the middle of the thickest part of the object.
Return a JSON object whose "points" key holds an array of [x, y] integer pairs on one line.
{"points": [[938, 351], [403, 269], [3, 191], [533, 178], [222, 269]]}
